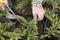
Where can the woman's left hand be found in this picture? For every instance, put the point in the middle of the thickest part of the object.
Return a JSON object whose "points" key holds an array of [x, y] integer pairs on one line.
{"points": [[38, 13]]}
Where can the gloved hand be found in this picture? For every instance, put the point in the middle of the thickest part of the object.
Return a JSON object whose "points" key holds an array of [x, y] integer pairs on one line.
{"points": [[38, 12]]}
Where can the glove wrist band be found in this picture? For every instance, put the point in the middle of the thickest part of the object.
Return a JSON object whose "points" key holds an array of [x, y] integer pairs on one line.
{"points": [[37, 3]]}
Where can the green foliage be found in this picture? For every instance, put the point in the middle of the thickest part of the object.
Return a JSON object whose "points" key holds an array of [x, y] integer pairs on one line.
{"points": [[3, 28], [54, 28], [1, 13], [22, 4], [31, 28], [55, 4], [29, 31]]}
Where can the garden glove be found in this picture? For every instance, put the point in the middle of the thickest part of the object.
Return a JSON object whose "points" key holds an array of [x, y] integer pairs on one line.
{"points": [[37, 10]]}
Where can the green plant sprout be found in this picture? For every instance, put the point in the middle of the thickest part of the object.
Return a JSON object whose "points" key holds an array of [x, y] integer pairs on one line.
{"points": [[22, 4], [1, 13], [54, 3], [29, 30], [54, 28]]}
